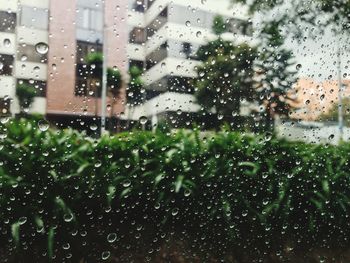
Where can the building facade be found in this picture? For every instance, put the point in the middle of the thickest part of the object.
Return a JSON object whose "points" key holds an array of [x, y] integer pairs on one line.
{"points": [[44, 43], [24, 31], [164, 36], [160, 36]]}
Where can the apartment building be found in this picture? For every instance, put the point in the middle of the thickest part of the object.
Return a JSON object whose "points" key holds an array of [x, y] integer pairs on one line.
{"points": [[164, 36], [45, 43], [24, 33], [77, 28]]}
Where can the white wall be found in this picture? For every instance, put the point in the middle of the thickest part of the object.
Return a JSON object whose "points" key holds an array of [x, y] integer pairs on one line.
{"points": [[10, 49], [7, 86], [30, 70], [169, 101]]}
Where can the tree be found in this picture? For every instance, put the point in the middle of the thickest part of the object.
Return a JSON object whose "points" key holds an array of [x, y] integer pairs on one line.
{"points": [[332, 114], [317, 13], [135, 86], [114, 77], [25, 94], [219, 25], [225, 76], [275, 74]]}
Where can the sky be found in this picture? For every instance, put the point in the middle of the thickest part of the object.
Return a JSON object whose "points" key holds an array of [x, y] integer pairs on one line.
{"points": [[318, 56]]}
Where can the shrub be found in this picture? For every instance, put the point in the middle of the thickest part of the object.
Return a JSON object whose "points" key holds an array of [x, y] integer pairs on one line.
{"points": [[25, 94], [219, 196]]}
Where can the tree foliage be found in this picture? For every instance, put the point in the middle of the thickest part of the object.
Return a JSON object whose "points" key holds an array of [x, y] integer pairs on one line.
{"points": [[225, 195], [225, 77], [276, 73], [219, 25], [317, 13], [114, 76], [332, 114], [136, 85], [25, 94]]}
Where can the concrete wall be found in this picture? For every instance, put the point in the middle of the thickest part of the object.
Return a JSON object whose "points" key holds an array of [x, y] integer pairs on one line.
{"points": [[61, 83]]}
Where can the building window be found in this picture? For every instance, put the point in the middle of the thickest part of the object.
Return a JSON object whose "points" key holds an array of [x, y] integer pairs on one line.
{"points": [[7, 22], [40, 86], [157, 23], [5, 104], [84, 48], [28, 53], [137, 36], [6, 64], [139, 6], [86, 84], [90, 19], [136, 63], [150, 3], [187, 49], [34, 17], [157, 56]]}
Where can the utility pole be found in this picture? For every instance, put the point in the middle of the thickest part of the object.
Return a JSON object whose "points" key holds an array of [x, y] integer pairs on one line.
{"points": [[104, 71], [340, 91]]}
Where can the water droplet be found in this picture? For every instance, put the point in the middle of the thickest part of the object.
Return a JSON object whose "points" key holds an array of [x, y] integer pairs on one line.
{"points": [[7, 42], [175, 211], [66, 246], [42, 48], [331, 137], [111, 237], [188, 23], [68, 217], [298, 66], [106, 255], [43, 125], [198, 34], [23, 58], [143, 120], [126, 183], [4, 120], [22, 220], [93, 127], [1, 65]]}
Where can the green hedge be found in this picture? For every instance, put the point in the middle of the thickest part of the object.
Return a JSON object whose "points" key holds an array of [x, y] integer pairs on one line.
{"points": [[64, 196]]}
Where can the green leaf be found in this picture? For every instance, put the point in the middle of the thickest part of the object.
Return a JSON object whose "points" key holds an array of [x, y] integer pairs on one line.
{"points": [[15, 232], [254, 166], [178, 183], [325, 186], [50, 243]]}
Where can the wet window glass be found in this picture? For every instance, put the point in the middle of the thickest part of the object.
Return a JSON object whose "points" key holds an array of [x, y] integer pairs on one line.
{"points": [[174, 131]]}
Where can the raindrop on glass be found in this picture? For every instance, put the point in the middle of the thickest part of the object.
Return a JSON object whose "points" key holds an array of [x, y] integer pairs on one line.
{"points": [[111, 237], [106, 255], [143, 120], [93, 127], [7, 42], [41, 48], [43, 125]]}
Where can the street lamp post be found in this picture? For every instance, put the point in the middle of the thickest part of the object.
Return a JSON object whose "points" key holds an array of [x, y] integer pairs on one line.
{"points": [[340, 91], [104, 71]]}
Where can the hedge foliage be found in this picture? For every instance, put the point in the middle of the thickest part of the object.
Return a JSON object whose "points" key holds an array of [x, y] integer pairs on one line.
{"points": [[66, 197]]}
